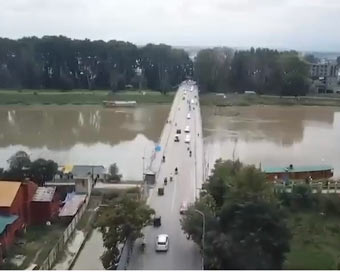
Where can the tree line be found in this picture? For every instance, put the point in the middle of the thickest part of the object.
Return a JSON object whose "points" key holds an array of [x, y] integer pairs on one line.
{"points": [[262, 70], [58, 62]]}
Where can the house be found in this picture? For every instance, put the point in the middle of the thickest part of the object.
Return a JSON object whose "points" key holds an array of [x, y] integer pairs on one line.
{"points": [[15, 199], [9, 225], [45, 205], [299, 172], [15, 213]]}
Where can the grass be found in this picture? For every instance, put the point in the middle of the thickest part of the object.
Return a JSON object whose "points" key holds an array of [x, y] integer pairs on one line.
{"points": [[247, 100], [78, 97], [315, 242], [39, 240]]}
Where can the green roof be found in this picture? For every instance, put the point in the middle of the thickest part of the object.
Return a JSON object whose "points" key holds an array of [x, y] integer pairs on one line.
{"points": [[308, 168], [6, 220]]}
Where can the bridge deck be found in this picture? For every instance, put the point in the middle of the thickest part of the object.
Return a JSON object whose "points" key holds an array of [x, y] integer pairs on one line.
{"points": [[183, 253]]}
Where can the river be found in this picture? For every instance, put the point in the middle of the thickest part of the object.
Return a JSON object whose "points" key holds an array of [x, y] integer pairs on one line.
{"points": [[266, 135]]}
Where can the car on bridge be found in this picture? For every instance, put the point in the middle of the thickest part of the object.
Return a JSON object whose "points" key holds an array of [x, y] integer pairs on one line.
{"points": [[183, 208], [176, 138], [162, 242]]}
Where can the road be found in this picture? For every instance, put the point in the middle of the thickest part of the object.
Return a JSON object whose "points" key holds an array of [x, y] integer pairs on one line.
{"points": [[183, 254]]}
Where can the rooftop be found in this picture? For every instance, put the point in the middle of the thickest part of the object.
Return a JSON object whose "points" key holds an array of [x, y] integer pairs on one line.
{"points": [[72, 204], [6, 220], [294, 169], [8, 191], [82, 170], [44, 194], [162, 238]]}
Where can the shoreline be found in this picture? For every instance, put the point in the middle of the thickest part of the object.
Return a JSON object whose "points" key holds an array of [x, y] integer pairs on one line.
{"points": [[79, 97], [72, 98]]}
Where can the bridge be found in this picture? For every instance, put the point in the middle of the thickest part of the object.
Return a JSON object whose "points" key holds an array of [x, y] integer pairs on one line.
{"points": [[183, 254]]}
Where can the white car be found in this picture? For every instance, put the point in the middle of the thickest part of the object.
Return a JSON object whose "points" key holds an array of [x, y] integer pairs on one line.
{"points": [[188, 116], [187, 129], [162, 242], [192, 101], [187, 139], [183, 208]]}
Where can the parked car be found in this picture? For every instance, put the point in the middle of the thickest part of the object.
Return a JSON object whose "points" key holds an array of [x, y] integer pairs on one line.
{"points": [[162, 242], [178, 131]]}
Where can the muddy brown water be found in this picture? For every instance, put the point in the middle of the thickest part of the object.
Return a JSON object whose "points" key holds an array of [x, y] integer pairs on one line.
{"points": [[83, 134], [273, 135], [270, 135]]}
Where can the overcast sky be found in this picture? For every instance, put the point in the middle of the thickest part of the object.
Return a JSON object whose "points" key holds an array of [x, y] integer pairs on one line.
{"points": [[293, 24]]}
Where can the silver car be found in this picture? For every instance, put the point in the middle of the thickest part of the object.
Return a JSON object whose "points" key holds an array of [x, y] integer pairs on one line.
{"points": [[162, 242]]}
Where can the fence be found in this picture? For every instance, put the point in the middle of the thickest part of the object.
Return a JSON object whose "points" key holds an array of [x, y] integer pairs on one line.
{"points": [[125, 255], [61, 244], [326, 187]]}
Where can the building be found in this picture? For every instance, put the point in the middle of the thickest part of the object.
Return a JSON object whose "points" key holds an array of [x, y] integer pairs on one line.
{"points": [[45, 205], [327, 69], [298, 172], [15, 199], [15, 213], [326, 77], [9, 227]]}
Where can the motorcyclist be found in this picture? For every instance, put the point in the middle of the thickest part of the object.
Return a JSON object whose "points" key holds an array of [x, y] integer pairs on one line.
{"points": [[176, 170], [163, 158], [165, 181], [190, 153]]}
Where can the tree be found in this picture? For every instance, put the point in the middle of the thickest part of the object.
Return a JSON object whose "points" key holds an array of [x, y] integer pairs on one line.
{"points": [[58, 62], [21, 167], [245, 226], [255, 236], [114, 172], [219, 182], [42, 170], [121, 221]]}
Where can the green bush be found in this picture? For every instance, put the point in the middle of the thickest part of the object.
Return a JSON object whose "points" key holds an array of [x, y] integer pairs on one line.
{"points": [[329, 204]]}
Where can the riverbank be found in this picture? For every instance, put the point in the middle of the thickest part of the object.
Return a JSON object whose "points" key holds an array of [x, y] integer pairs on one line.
{"points": [[212, 99], [80, 97]]}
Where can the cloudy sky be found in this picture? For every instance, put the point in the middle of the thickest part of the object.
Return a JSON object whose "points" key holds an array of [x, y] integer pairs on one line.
{"points": [[293, 24]]}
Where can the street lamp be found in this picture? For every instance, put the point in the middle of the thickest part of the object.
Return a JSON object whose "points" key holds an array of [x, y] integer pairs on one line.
{"points": [[203, 234]]}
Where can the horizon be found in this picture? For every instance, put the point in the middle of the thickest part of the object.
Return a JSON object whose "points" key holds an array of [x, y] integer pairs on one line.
{"points": [[181, 46], [301, 25]]}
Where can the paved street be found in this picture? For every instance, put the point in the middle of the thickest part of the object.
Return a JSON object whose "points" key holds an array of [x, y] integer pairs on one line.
{"points": [[183, 253]]}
